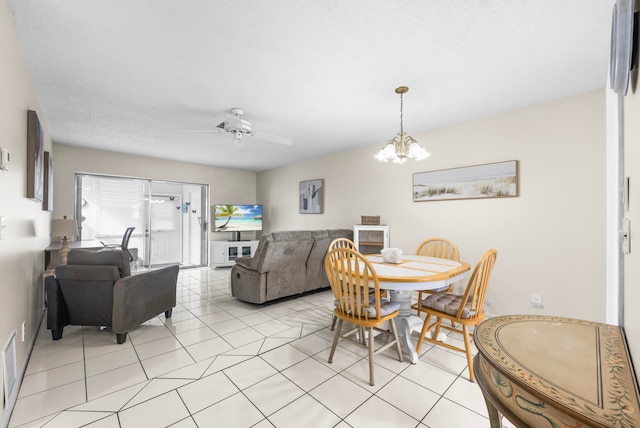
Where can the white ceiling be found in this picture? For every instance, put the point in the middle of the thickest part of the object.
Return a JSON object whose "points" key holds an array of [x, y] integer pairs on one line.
{"points": [[132, 76]]}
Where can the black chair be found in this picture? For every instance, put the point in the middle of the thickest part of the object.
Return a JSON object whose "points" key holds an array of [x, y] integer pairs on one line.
{"points": [[125, 242]]}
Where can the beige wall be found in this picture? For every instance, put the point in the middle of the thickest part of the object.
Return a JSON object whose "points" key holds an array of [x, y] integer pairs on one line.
{"points": [[225, 185], [632, 261], [27, 233], [550, 240]]}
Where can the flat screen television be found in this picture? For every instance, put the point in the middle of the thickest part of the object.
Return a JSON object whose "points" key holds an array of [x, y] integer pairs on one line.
{"points": [[237, 218]]}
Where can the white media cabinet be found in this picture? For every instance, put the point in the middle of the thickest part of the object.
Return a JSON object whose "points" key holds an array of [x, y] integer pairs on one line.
{"points": [[225, 253]]}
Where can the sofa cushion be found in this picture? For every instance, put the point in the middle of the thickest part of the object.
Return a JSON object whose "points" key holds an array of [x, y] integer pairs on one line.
{"points": [[318, 234], [340, 233], [316, 276], [291, 235], [87, 273], [257, 261], [286, 267], [108, 257]]}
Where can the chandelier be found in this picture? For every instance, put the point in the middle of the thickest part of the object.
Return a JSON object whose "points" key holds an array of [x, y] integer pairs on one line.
{"points": [[402, 147]]}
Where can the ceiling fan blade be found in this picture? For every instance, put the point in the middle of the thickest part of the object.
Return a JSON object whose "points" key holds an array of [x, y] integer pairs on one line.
{"points": [[206, 131], [272, 138], [219, 120]]}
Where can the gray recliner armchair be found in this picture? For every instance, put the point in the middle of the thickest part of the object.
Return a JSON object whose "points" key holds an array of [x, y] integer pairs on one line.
{"points": [[96, 288]]}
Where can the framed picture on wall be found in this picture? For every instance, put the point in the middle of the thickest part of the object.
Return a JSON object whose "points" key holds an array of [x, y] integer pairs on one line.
{"points": [[47, 191], [311, 196], [491, 180], [35, 157]]}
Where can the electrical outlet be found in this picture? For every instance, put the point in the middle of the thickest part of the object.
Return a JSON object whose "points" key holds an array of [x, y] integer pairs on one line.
{"points": [[536, 301]]}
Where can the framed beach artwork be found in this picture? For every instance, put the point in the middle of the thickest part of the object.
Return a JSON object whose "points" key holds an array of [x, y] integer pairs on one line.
{"points": [[491, 180], [35, 157], [311, 196]]}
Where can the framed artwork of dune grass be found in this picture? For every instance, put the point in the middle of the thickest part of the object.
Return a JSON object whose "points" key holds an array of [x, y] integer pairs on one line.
{"points": [[491, 180]]}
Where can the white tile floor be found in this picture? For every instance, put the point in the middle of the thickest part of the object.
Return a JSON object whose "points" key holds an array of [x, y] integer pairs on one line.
{"points": [[219, 362]]}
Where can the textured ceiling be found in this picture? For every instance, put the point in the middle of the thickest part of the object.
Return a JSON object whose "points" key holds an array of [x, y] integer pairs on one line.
{"points": [[132, 76]]}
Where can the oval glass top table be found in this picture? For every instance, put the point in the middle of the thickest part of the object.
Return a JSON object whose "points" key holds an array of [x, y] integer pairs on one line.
{"points": [[414, 273], [541, 371]]}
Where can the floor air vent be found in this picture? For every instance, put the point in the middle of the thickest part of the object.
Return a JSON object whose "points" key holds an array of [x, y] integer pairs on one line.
{"points": [[10, 370]]}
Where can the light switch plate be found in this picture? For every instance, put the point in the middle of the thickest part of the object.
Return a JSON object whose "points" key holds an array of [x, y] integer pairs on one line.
{"points": [[5, 159]]}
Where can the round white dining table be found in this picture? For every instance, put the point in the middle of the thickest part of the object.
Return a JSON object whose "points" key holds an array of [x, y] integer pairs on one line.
{"points": [[414, 273]]}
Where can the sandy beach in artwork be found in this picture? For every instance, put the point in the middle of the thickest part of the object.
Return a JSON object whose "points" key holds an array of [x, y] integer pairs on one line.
{"points": [[480, 181], [238, 224]]}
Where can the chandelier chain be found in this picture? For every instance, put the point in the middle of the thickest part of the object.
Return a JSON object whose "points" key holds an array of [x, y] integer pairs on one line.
{"points": [[401, 104]]}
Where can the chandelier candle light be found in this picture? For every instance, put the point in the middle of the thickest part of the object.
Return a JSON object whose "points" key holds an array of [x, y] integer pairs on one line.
{"points": [[401, 147]]}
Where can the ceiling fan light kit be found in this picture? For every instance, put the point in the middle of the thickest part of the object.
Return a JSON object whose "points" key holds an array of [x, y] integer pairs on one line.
{"points": [[401, 148], [238, 142], [235, 124]]}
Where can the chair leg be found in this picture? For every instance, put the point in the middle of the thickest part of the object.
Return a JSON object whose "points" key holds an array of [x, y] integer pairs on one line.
{"points": [[371, 353], [436, 333], [56, 333], [423, 332], [419, 304], [336, 337], [333, 323], [467, 347], [363, 338], [121, 338]]}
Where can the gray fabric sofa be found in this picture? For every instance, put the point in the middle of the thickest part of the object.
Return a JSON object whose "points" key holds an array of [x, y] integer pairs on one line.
{"points": [[285, 264], [96, 288]]}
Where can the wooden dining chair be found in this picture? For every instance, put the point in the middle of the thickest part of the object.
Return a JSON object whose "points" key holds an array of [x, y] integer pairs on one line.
{"points": [[346, 243], [351, 277], [340, 243], [435, 247], [466, 309]]}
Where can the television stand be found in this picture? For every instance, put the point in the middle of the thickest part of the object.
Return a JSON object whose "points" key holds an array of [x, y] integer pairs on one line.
{"points": [[225, 253], [235, 236]]}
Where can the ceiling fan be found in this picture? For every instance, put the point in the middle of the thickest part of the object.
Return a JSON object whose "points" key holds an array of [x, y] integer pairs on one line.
{"points": [[239, 128]]}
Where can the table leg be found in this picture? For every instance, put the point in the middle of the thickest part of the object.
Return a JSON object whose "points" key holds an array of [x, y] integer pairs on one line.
{"points": [[406, 323], [495, 418]]}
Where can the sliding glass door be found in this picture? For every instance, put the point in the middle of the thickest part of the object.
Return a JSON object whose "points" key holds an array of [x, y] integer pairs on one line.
{"points": [[169, 217]]}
